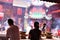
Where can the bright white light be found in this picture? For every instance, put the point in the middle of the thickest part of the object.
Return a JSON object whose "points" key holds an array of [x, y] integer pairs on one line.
{"points": [[47, 10], [37, 3], [28, 29], [0, 25], [6, 25], [1, 14], [21, 3], [48, 17], [26, 17], [48, 4]]}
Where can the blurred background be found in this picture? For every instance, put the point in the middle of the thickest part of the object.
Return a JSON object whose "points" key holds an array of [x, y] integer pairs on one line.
{"points": [[26, 12]]}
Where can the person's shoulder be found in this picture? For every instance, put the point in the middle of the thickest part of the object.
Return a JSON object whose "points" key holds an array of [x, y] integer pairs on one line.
{"points": [[9, 29], [15, 26], [31, 29]]}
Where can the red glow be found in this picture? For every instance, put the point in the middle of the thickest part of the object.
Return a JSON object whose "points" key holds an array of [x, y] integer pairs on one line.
{"points": [[1, 8], [55, 11], [1, 18], [58, 32], [40, 10], [8, 0], [34, 10], [19, 11]]}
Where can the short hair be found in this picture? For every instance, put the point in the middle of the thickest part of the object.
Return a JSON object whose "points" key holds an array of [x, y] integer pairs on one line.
{"points": [[36, 24], [10, 22]]}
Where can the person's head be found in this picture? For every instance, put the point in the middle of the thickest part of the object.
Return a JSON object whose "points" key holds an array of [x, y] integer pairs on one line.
{"points": [[36, 25], [44, 24], [10, 22]]}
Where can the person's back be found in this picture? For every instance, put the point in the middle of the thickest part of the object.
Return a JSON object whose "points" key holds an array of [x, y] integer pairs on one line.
{"points": [[13, 33], [35, 34]]}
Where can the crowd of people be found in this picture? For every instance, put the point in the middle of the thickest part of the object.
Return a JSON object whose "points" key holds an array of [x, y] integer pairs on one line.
{"points": [[14, 34]]}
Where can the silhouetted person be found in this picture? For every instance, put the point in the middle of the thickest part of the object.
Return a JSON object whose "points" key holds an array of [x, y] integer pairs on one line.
{"points": [[35, 34], [13, 31], [44, 25]]}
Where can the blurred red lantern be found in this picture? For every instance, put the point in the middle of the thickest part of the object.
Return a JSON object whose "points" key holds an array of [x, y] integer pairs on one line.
{"points": [[58, 32], [1, 8], [1, 15], [19, 11]]}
